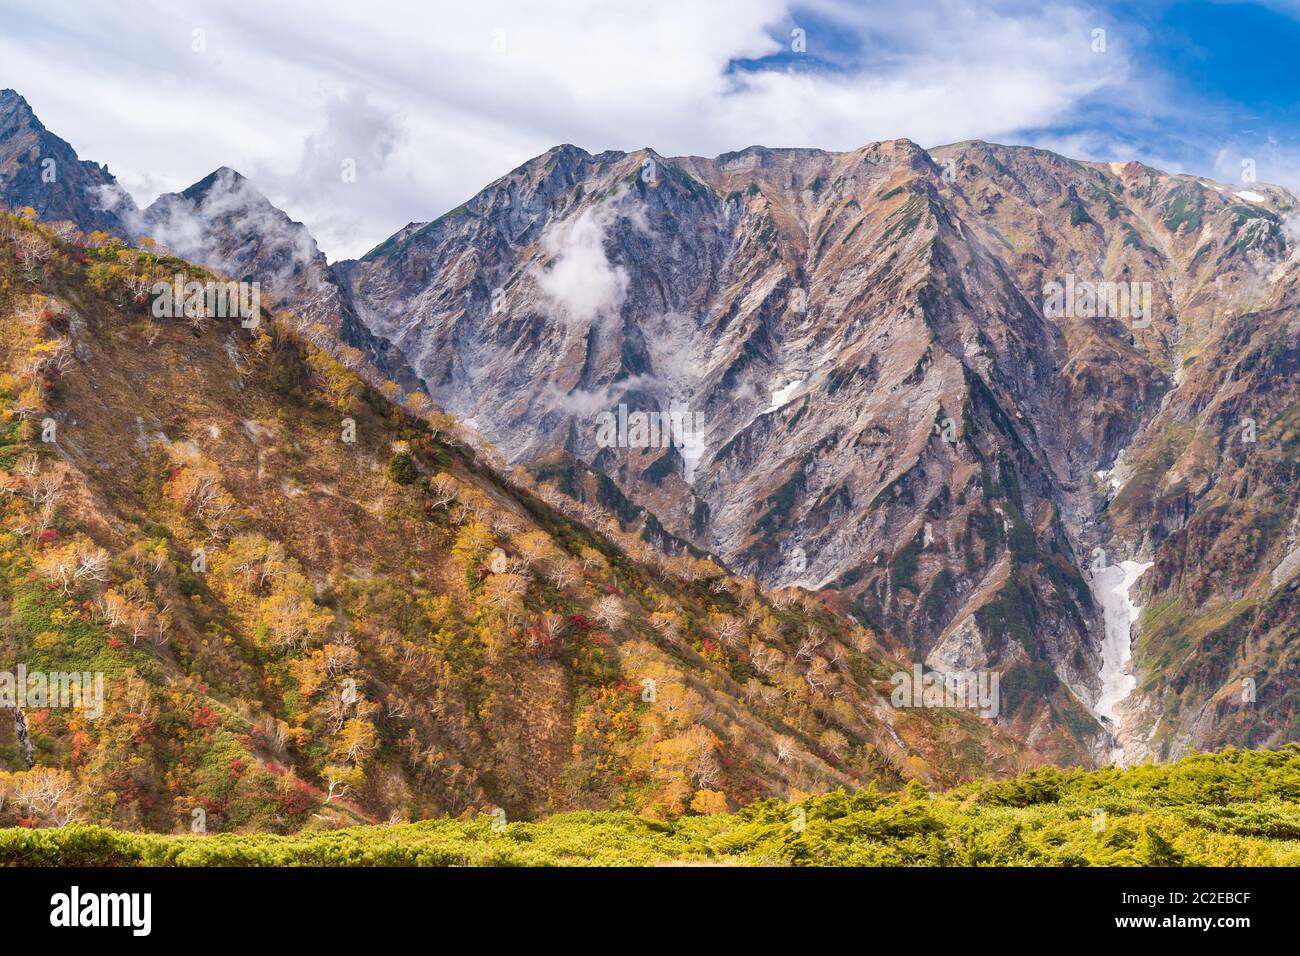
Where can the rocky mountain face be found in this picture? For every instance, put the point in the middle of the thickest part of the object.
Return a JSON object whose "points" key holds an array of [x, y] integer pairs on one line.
{"points": [[962, 394], [223, 222], [907, 378], [40, 171], [307, 606]]}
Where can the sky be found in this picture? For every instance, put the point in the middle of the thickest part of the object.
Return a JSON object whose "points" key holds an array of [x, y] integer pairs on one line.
{"points": [[357, 118]]}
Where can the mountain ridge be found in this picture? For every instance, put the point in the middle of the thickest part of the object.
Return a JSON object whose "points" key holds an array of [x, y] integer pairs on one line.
{"points": [[867, 332]]}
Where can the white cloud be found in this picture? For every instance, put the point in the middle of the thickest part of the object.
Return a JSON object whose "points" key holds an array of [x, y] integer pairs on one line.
{"points": [[182, 225], [435, 101], [585, 402], [580, 282]]}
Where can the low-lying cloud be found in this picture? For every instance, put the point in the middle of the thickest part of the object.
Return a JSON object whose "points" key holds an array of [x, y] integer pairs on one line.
{"points": [[580, 284]]}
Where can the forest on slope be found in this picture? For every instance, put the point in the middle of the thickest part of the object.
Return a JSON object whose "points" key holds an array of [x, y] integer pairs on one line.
{"points": [[316, 601]]}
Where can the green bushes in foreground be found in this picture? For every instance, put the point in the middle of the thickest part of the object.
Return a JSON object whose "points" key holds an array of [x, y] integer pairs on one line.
{"points": [[1235, 808]]}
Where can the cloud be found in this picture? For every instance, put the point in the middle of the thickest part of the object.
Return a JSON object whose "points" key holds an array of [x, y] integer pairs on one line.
{"points": [[352, 146], [580, 283], [1291, 226], [433, 102], [583, 403], [185, 225]]}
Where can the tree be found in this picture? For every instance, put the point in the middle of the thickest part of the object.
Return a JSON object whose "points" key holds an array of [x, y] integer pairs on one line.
{"points": [[259, 560], [33, 256], [357, 741], [833, 743], [340, 779], [47, 794], [290, 616], [609, 611], [443, 489], [418, 404], [729, 629], [338, 385], [504, 594], [709, 802], [402, 469]]}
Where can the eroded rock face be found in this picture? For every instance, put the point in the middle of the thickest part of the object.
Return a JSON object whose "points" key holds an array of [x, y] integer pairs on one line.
{"points": [[40, 171], [225, 223], [906, 381], [911, 390]]}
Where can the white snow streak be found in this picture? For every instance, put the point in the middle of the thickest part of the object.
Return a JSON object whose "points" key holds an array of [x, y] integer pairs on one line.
{"points": [[1111, 586]]}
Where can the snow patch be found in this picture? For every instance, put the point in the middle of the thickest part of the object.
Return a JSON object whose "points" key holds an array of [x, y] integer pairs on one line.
{"points": [[782, 396], [1111, 586], [1250, 196], [1114, 475], [1108, 475]]}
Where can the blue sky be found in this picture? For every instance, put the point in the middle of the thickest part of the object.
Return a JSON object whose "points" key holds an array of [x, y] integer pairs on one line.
{"points": [[431, 101]]}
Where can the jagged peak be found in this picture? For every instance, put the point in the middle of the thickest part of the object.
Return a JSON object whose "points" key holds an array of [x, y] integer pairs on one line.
{"points": [[15, 110], [223, 177], [13, 100]]}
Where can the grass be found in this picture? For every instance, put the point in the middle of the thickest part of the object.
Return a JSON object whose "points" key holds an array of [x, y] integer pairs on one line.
{"points": [[1234, 808]]}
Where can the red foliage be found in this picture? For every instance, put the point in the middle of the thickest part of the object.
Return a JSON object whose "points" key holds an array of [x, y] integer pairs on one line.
{"points": [[579, 622], [114, 643], [297, 800], [205, 716], [539, 642], [82, 745]]}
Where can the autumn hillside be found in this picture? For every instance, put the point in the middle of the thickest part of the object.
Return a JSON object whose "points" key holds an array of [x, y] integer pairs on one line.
{"points": [[320, 602]]}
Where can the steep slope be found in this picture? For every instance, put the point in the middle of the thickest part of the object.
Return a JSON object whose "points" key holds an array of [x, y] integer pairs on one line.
{"points": [[896, 404], [923, 390], [40, 171], [224, 223], [294, 592], [859, 364], [1190, 412], [1213, 496]]}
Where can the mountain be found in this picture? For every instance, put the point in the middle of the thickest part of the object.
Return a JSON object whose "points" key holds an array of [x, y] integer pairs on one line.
{"points": [[898, 409], [1009, 413], [41, 171], [311, 606], [223, 222]]}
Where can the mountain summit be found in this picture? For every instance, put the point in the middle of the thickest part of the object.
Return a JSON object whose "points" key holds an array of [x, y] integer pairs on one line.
{"points": [[1011, 413], [41, 171], [952, 385]]}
